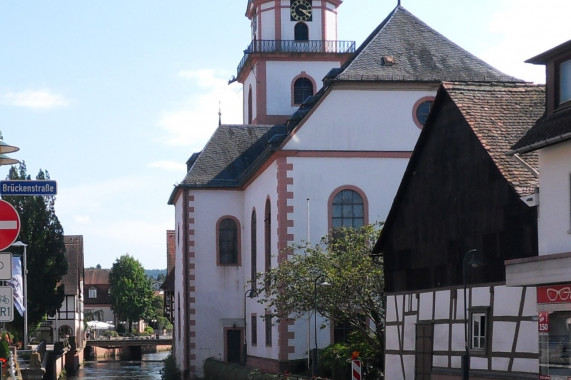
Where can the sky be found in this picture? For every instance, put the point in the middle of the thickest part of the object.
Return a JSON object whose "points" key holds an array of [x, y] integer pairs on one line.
{"points": [[111, 97]]}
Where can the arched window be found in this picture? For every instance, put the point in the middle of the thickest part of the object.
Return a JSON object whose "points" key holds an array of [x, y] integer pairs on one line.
{"points": [[347, 209], [268, 236], [254, 250], [301, 32], [228, 242], [250, 108], [302, 89]]}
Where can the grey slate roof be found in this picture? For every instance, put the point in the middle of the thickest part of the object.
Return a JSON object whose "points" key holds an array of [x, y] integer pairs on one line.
{"points": [[549, 130], [499, 114], [419, 52], [231, 154]]}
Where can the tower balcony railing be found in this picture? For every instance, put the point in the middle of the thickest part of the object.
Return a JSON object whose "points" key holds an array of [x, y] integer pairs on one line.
{"points": [[294, 46]]}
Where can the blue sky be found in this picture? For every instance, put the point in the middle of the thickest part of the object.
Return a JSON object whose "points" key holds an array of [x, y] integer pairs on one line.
{"points": [[113, 96]]}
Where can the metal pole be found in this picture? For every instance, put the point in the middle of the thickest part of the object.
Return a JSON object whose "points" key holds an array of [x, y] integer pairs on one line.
{"points": [[25, 278], [314, 362]]}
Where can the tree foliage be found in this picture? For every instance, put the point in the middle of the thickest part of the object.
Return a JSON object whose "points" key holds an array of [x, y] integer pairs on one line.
{"points": [[354, 294], [130, 290], [41, 230]]}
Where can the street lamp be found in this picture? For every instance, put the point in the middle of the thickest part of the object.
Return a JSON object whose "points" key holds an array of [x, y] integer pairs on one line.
{"points": [[473, 258], [251, 293], [320, 280], [25, 290]]}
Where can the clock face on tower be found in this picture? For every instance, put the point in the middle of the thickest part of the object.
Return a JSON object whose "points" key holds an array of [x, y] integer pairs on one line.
{"points": [[301, 10]]}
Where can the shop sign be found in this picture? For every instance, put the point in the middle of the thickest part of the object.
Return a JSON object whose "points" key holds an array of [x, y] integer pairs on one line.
{"points": [[543, 321], [554, 294]]}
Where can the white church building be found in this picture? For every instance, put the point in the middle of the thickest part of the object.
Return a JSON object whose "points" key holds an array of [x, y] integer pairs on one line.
{"points": [[328, 132]]}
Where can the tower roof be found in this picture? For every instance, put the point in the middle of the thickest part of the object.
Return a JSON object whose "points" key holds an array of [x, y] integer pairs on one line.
{"points": [[404, 48]]}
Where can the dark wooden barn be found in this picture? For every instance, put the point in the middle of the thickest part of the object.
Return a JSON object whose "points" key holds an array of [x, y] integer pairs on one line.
{"points": [[460, 190]]}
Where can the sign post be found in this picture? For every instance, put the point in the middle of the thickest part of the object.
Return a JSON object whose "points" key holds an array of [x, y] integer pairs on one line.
{"points": [[6, 304], [9, 224]]}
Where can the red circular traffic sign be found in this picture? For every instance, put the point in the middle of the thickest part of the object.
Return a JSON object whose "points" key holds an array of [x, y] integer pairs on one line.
{"points": [[9, 224]]}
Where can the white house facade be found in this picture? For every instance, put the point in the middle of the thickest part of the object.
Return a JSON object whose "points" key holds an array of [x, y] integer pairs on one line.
{"points": [[550, 272]]}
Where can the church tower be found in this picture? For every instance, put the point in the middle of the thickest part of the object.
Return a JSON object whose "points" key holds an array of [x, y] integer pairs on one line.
{"points": [[294, 45]]}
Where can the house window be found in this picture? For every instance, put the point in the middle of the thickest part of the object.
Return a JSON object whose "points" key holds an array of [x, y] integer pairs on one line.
{"points": [[254, 330], [228, 242], [421, 109], [565, 81], [478, 329], [302, 89], [268, 323], [301, 32], [92, 292], [347, 209]]}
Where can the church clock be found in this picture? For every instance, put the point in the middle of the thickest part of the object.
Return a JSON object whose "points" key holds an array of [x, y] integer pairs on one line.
{"points": [[301, 10]]}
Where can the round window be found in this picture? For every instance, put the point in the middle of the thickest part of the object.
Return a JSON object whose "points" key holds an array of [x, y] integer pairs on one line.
{"points": [[421, 110]]}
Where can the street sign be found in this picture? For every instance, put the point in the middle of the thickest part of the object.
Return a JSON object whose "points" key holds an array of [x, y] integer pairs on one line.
{"points": [[9, 224], [20, 187], [5, 266], [6, 304]]}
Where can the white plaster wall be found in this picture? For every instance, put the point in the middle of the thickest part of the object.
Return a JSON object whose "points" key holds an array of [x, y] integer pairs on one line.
{"points": [[330, 24], [250, 81], [384, 116], [392, 335], [179, 328], [441, 337], [279, 80], [267, 26], [442, 298], [264, 187], [425, 307], [554, 199], [219, 288], [507, 300], [316, 178]]}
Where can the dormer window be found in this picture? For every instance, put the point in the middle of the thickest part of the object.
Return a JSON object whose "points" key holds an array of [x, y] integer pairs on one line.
{"points": [[93, 292], [565, 82]]}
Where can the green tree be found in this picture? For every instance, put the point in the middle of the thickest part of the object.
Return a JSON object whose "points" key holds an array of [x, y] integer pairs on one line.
{"points": [[354, 296], [130, 290], [44, 235]]}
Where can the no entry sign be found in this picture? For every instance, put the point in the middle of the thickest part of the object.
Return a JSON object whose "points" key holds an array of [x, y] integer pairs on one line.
{"points": [[9, 224]]}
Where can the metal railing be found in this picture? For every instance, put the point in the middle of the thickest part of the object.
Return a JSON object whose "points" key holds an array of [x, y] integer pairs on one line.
{"points": [[293, 46]]}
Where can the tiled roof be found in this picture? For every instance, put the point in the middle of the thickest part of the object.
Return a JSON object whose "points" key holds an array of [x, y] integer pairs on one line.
{"points": [[549, 130], [231, 154], [95, 276], [403, 48], [499, 114]]}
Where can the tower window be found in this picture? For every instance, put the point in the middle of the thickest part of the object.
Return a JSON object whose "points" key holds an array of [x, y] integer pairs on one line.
{"points": [[302, 89], [301, 32]]}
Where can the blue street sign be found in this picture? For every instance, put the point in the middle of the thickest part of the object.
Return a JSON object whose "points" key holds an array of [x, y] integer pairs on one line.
{"points": [[28, 187]]}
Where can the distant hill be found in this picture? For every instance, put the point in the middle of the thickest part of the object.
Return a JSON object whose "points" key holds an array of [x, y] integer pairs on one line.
{"points": [[155, 272]]}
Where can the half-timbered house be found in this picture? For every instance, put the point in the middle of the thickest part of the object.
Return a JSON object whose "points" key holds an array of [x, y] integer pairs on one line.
{"points": [[461, 199]]}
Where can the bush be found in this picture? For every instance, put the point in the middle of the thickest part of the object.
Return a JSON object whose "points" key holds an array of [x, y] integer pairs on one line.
{"points": [[217, 370], [170, 370]]}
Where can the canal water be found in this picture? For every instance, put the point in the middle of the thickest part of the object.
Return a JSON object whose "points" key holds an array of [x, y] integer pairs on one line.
{"points": [[108, 369]]}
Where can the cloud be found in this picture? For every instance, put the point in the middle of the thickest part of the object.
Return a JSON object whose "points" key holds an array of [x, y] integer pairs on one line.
{"points": [[196, 118], [35, 99], [524, 29]]}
